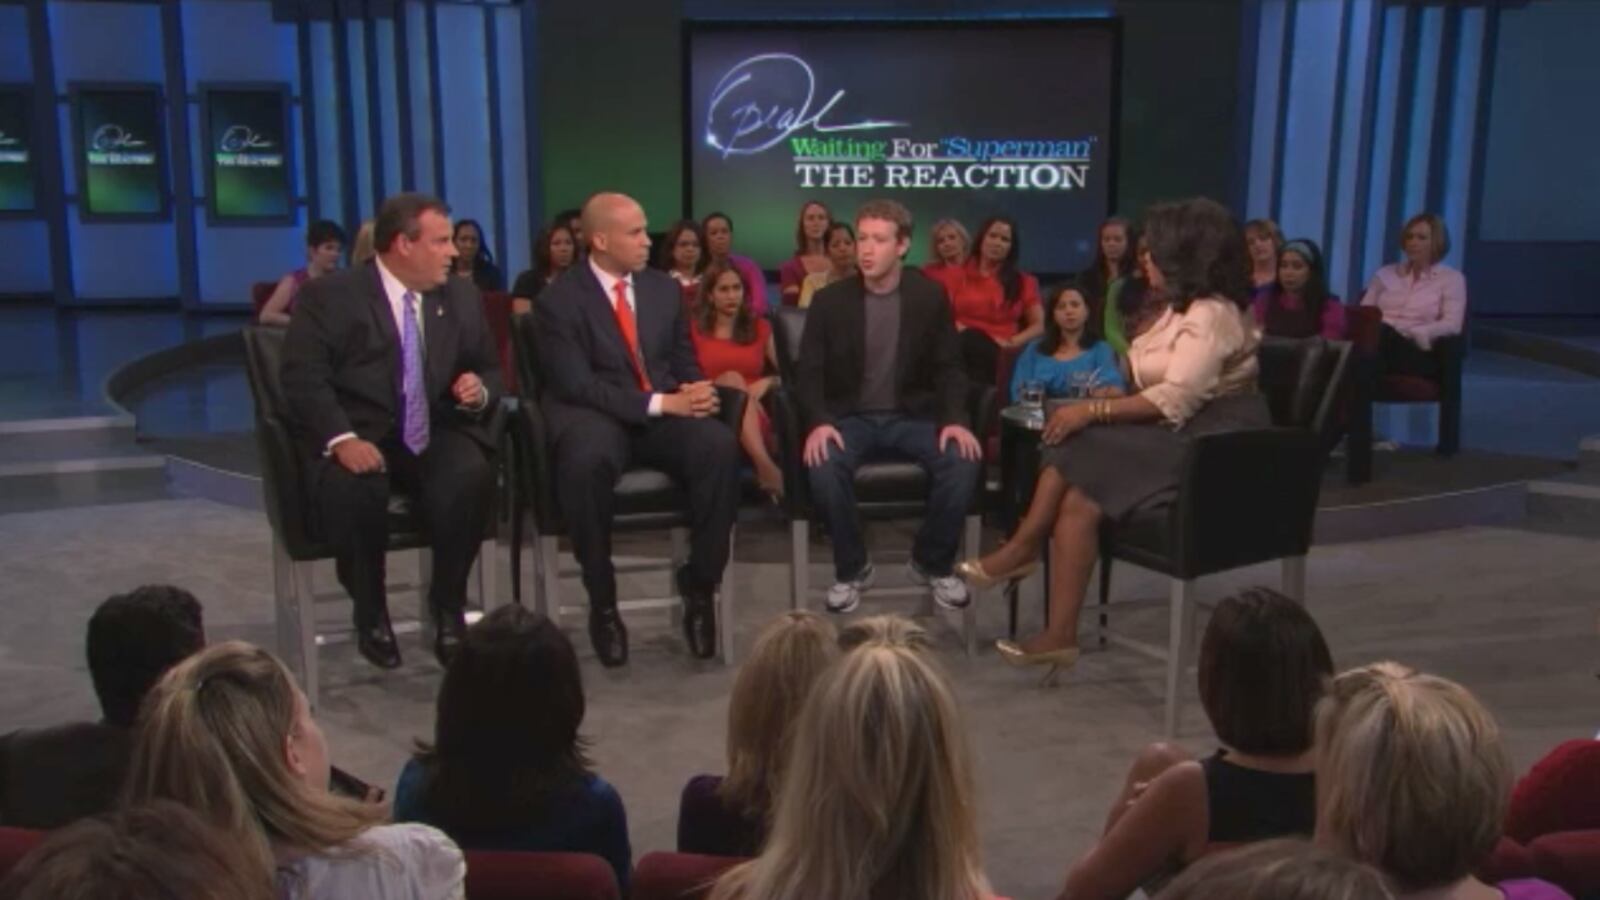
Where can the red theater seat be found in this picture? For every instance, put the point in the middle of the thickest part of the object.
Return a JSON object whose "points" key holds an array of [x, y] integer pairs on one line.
{"points": [[678, 876], [497, 309], [1568, 859], [493, 875], [1363, 324], [14, 845], [260, 293]]}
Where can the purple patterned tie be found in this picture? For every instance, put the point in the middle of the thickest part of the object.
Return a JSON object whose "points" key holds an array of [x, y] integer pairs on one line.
{"points": [[413, 392]]}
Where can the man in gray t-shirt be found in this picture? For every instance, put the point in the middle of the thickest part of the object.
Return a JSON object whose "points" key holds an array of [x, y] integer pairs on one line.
{"points": [[878, 375]]}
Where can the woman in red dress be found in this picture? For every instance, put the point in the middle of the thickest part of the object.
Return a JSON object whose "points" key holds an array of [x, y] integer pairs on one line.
{"points": [[735, 349], [995, 304]]}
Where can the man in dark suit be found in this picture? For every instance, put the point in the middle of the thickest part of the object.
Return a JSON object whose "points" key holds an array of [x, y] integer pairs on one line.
{"points": [[391, 376], [621, 383], [52, 776], [880, 375]]}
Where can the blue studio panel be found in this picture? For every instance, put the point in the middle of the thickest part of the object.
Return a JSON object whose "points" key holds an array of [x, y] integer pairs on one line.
{"points": [[110, 42], [26, 266], [1308, 125], [421, 137], [329, 106], [464, 111], [1378, 249], [1264, 131], [388, 108], [1431, 74], [237, 41], [360, 116], [514, 143]]}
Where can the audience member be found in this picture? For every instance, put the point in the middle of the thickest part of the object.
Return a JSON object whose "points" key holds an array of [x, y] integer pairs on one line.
{"points": [[158, 851], [880, 375], [1412, 778], [1195, 370], [1283, 869], [554, 251], [1299, 305], [361, 249], [507, 769], [884, 629], [1262, 239], [229, 735], [811, 255], [717, 229], [994, 303], [1069, 359], [473, 259], [1114, 258], [727, 815], [1130, 307], [1421, 299], [1263, 667], [573, 219], [735, 349], [840, 240], [683, 257], [877, 798], [373, 410], [324, 245], [52, 776], [628, 387], [948, 246]]}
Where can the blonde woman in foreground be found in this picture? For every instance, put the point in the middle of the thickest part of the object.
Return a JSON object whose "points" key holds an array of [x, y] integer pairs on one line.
{"points": [[1412, 779], [229, 735], [877, 799]]}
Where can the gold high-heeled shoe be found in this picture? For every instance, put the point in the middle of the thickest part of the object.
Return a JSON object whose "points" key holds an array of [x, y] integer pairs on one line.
{"points": [[1058, 660], [972, 572]]}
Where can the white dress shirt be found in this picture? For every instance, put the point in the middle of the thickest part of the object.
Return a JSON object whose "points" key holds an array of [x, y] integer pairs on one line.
{"points": [[608, 284]]}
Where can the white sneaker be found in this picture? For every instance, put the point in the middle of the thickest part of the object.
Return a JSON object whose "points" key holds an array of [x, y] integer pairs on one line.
{"points": [[845, 596], [949, 591]]}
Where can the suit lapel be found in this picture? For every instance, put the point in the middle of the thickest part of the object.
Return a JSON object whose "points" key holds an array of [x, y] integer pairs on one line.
{"points": [[602, 316], [902, 348], [438, 337], [382, 312], [650, 318]]}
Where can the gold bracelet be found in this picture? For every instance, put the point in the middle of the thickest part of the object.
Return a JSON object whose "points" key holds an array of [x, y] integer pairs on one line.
{"points": [[1105, 412]]}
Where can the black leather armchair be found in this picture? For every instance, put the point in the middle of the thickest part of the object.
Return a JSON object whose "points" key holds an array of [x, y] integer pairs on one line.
{"points": [[884, 490], [295, 544], [646, 500], [1245, 497]]}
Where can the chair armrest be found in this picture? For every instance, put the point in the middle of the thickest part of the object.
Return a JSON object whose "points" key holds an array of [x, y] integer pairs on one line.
{"points": [[1246, 497], [1451, 351], [785, 412], [984, 407], [535, 470], [733, 403], [282, 486], [1362, 325]]}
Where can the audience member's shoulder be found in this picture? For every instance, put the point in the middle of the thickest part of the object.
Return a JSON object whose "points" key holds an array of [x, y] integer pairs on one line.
{"points": [[417, 854], [70, 735], [655, 279]]}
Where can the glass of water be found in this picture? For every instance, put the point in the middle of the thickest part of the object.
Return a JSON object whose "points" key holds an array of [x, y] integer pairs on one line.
{"points": [[1031, 397]]}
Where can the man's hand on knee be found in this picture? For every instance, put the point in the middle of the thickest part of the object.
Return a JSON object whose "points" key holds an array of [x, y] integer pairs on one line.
{"points": [[358, 456], [966, 444], [816, 449]]}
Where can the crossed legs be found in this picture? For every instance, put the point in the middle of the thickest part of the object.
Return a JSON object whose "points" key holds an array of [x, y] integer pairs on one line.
{"points": [[1070, 520]]}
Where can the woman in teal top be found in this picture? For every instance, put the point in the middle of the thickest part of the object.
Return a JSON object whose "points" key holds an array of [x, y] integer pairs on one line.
{"points": [[1069, 359]]}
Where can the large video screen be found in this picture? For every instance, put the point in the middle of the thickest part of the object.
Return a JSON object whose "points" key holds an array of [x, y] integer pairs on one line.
{"points": [[121, 159], [958, 120], [18, 188], [249, 178]]}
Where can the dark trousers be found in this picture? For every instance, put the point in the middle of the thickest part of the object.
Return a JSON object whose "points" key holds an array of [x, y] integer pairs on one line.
{"points": [[980, 356], [451, 484], [874, 436], [591, 452], [1400, 355]]}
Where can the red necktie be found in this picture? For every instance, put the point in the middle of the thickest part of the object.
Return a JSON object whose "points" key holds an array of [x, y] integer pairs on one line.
{"points": [[630, 331]]}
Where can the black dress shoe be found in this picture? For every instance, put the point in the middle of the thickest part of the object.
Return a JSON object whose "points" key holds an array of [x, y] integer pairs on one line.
{"points": [[699, 616], [450, 629], [376, 642], [609, 636]]}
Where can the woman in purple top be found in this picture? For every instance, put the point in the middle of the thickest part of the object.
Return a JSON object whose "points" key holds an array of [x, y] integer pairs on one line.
{"points": [[727, 815], [324, 243], [1298, 304], [1421, 299], [718, 231]]}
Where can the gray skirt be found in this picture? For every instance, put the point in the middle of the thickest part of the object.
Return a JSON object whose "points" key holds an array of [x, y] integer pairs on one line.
{"points": [[1130, 468]]}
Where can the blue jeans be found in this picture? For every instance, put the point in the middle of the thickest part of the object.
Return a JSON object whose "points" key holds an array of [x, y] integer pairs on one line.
{"points": [[871, 437]]}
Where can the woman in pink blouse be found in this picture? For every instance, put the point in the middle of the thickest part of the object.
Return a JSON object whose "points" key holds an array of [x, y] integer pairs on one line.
{"points": [[810, 251], [1421, 299], [1195, 373]]}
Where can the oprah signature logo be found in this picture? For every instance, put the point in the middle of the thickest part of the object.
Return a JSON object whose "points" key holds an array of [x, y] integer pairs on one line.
{"points": [[766, 98], [7, 140], [110, 138], [239, 138]]}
